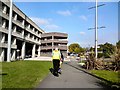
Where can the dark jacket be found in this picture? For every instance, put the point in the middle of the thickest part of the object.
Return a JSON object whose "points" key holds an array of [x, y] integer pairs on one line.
{"points": [[62, 57]]}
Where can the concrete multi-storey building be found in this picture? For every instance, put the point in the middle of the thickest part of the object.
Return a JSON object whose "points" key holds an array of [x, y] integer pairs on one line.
{"points": [[27, 39], [26, 35], [50, 41]]}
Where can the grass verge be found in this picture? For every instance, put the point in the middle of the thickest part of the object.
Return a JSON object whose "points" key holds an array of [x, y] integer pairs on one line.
{"points": [[24, 74], [111, 76], [0, 76]]}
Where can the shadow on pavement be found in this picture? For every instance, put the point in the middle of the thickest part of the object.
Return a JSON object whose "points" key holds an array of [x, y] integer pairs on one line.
{"points": [[52, 71]]}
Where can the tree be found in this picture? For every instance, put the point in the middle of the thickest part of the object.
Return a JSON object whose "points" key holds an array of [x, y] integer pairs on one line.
{"points": [[118, 44], [108, 49], [75, 48]]}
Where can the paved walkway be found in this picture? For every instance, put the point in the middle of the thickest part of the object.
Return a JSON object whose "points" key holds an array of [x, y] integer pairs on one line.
{"points": [[71, 78]]}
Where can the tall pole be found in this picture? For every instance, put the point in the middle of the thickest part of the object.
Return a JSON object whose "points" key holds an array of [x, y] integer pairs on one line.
{"points": [[96, 36], [96, 26], [9, 33]]}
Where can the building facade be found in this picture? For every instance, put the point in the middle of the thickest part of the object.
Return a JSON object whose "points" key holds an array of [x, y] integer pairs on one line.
{"points": [[26, 35], [50, 41], [27, 39]]}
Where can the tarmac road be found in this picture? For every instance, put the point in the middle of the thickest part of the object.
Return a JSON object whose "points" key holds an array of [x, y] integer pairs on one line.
{"points": [[71, 78]]}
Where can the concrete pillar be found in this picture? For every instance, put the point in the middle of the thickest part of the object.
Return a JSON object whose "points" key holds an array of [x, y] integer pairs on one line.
{"points": [[33, 37], [14, 41], [2, 53], [9, 33], [23, 50], [1, 48], [15, 17], [33, 50], [33, 29], [14, 28], [5, 9], [40, 35], [36, 32], [39, 51], [39, 41], [28, 35], [28, 26], [4, 23], [23, 22], [52, 43], [2, 38], [23, 32], [36, 39], [13, 55]]}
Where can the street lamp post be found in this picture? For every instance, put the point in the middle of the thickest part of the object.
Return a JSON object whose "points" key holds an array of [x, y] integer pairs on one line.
{"points": [[96, 26], [9, 33], [96, 33]]}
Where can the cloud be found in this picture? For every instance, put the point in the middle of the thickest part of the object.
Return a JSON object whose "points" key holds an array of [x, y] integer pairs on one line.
{"points": [[64, 13], [83, 17], [82, 33], [51, 27], [40, 21], [46, 24]]}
